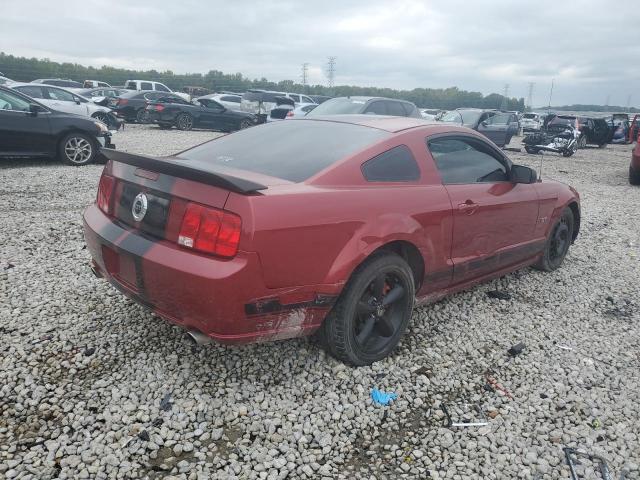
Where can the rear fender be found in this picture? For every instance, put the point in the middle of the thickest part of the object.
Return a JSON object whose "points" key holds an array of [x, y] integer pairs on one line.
{"points": [[370, 237]]}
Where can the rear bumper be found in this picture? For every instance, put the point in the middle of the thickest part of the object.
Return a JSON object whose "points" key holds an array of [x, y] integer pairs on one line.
{"points": [[224, 299]]}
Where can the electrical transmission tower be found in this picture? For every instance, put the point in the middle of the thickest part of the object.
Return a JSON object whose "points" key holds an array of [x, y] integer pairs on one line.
{"points": [[530, 96], [331, 70], [505, 96], [305, 73]]}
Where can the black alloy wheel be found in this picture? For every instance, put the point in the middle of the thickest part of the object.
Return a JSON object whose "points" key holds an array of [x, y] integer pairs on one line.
{"points": [[373, 311], [558, 242]]}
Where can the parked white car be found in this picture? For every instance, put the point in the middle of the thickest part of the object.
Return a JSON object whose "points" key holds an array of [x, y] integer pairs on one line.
{"points": [[261, 102], [62, 99], [285, 112], [95, 84], [157, 86], [531, 122], [230, 101]]}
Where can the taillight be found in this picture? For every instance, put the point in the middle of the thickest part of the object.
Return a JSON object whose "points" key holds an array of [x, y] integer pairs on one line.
{"points": [[158, 108], [105, 192], [122, 101], [290, 113], [210, 230]]}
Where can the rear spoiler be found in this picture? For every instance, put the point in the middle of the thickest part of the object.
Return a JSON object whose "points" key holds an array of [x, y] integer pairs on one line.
{"points": [[179, 168]]}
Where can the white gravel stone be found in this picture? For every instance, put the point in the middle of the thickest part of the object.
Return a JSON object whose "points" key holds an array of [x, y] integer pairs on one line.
{"points": [[288, 406]]}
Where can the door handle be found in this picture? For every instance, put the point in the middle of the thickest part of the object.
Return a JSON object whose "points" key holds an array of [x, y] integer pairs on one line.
{"points": [[469, 207]]}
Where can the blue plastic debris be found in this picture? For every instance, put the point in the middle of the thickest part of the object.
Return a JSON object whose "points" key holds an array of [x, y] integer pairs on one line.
{"points": [[382, 398]]}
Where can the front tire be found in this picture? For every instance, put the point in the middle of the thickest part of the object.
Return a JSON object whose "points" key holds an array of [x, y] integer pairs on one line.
{"points": [[184, 121], [77, 149], [558, 243], [372, 313]]}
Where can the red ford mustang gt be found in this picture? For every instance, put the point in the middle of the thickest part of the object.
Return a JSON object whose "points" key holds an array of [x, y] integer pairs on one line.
{"points": [[334, 224]]}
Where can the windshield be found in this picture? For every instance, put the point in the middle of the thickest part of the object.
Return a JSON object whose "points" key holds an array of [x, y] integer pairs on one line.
{"points": [[339, 106], [530, 116], [261, 149]]}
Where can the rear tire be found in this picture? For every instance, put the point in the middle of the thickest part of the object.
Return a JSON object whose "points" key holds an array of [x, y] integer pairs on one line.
{"points": [[184, 122], [558, 243], [582, 142], [368, 320], [77, 149], [634, 177], [142, 116]]}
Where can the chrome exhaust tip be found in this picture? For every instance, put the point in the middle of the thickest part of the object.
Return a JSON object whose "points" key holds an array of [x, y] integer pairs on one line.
{"points": [[198, 338]]}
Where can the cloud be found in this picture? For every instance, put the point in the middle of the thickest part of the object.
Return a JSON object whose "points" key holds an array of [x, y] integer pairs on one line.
{"points": [[589, 48]]}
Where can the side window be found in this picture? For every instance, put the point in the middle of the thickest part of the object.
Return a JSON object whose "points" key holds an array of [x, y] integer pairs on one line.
{"points": [[466, 161], [376, 108], [33, 92], [395, 165], [57, 94], [294, 97], [131, 86], [146, 86], [395, 108], [10, 101], [499, 119], [409, 109], [306, 99], [230, 98], [161, 88]]}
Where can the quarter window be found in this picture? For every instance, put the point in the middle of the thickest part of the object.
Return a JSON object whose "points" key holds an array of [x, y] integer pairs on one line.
{"points": [[146, 86], [161, 88], [461, 160], [9, 101], [395, 165]]}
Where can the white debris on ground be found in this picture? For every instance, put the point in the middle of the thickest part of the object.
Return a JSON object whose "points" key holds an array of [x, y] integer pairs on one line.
{"points": [[94, 386]]}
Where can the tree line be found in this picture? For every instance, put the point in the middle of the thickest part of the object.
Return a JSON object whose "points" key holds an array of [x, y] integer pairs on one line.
{"points": [[27, 69]]}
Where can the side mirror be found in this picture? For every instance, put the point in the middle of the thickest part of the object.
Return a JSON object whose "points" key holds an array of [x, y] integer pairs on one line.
{"points": [[34, 109], [522, 174]]}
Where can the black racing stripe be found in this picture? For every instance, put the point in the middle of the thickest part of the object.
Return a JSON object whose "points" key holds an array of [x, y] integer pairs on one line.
{"points": [[500, 260], [273, 305], [164, 183]]}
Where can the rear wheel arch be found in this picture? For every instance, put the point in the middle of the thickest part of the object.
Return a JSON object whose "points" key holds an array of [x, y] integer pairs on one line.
{"points": [[575, 209]]}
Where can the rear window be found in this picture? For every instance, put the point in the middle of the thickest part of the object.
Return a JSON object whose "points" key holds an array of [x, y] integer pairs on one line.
{"points": [[261, 149], [340, 106]]}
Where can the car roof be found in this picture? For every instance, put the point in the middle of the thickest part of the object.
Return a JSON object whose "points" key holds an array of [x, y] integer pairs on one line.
{"points": [[381, 122]]}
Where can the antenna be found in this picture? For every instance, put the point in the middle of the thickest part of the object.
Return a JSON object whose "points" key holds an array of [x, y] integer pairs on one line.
{"points": [[305, 73], [331, 70]]}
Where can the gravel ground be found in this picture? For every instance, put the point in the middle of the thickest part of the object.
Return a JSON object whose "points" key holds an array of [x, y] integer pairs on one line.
{"points": [[94, 386]]}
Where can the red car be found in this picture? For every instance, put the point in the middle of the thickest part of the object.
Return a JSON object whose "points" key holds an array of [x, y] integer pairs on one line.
{"points": [[634, 168], [331, 224]]}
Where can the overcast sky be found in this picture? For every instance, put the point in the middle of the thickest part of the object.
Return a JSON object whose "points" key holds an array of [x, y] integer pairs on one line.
{"points": [[590, 48]]}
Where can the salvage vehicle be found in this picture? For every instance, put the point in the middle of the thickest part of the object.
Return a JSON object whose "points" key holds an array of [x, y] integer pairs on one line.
{"points": [[170, 112], [634, 168], [497, 126], [63, 100], [558, 137], [131, 106], [95, 84], [285, 112], [591, 130], [531, 122], [252, 238], [229, 100], [29, 128], [366, 105], [261, 102], [619, 126], [58, 82], [147, 85], [634, 129]]}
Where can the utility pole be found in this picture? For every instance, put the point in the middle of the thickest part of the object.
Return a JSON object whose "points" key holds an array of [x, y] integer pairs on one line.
{"points": [[606, 103], [331, 70], [305, 73], [550, 96], [530, 95], [628, 102]]}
